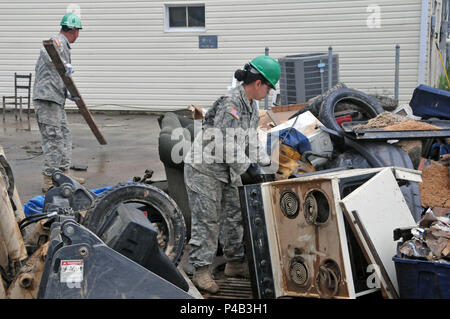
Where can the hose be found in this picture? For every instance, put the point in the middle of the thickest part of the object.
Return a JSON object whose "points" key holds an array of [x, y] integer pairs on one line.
{"points": [[35, 218]]}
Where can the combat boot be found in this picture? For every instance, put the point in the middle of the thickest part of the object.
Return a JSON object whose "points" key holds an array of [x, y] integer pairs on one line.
{"points": [[203, 280], [46, 183], [80, 180], [237, 269]]}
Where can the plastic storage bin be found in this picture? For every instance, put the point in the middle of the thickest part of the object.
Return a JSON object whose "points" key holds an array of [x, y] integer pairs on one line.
{"points": [[419, 279], [430, 102]]}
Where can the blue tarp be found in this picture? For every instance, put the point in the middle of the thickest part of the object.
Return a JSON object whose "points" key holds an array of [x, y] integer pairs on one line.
{"points": [[35, 205], [292, 138]]}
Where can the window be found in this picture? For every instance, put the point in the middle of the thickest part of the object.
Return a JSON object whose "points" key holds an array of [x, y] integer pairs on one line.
{"points": [[185, 17]]}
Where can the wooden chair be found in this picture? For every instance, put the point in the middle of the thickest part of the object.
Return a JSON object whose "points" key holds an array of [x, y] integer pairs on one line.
{"points": [[18, 99]]}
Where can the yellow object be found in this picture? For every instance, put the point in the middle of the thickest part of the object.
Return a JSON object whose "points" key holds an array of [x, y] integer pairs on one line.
{"points": [[290, 163], [442, 62]]}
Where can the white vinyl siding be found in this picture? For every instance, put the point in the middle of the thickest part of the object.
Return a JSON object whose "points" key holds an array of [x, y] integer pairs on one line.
{"points": [[124, 58]]}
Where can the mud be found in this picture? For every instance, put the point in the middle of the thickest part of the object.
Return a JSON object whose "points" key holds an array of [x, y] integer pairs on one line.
{"points": [[132, 148], [382, 120], [411, 125], [394, 122], [435, 188]]}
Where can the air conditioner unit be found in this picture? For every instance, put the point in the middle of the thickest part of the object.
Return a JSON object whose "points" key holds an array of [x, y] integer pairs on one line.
{"points": [[301, 77], [299, 242]]}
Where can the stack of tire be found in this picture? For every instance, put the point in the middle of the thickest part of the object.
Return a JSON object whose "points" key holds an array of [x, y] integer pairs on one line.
{"points": [[357, 154]]}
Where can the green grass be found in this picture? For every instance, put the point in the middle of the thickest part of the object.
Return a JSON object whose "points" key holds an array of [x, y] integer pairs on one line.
{"points": [[443, 84]]}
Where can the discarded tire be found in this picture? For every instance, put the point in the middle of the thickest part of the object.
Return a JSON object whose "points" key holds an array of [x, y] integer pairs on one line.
{"points": [[314, 104], [385, 155], [368, 106], [160, 208]]}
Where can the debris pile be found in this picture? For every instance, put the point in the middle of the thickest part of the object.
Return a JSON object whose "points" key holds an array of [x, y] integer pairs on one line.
{"points": [[430, 240], [394, 122], [381, 120]]}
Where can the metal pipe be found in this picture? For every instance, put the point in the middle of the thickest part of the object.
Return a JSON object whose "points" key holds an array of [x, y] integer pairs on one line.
{"points": [[330, 67], [397, 70], [266, 99], [423, 42], [321, 67]]}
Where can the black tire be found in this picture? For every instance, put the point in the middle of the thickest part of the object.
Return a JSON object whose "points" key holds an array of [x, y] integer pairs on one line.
{"points": [[164, 212], [368, 106], [386, 155], [314, 104]]}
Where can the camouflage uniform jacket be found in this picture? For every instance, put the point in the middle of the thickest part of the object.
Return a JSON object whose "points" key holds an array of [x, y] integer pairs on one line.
{"points": [[48, 84], [232, 111]]}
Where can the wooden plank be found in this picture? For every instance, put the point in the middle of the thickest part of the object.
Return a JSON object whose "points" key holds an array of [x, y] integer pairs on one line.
{"points": [[290, 107], [71, 87]]}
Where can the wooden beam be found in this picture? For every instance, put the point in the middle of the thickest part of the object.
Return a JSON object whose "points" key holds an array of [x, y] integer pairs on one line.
{"points": [[71, 87]]}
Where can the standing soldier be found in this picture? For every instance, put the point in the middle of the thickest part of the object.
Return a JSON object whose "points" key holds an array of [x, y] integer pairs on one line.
{"points": [[49, 97], [212, 184]]}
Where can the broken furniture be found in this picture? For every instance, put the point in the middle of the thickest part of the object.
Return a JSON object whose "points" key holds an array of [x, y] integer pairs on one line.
{"points": [[175, 138], [323, 234], [17, 98], [175, 169]]}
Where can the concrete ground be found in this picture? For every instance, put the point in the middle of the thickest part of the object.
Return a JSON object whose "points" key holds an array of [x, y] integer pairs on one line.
{"points": [[132, 147]]}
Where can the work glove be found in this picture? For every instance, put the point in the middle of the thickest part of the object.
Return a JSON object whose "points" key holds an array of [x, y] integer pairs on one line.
{"points": [[255, 173], [70, 97], [69, 69]]}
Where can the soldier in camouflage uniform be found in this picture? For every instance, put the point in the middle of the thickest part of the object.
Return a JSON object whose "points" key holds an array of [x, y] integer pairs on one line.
{"points": [[49, 97], [212, 182]]}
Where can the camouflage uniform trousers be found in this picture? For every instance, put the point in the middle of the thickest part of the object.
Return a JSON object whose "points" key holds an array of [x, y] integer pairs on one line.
{"points": [[56, 138], [216, 215]]}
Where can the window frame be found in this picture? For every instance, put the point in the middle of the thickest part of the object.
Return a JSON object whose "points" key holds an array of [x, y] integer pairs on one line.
{"points": [[168, 28]]}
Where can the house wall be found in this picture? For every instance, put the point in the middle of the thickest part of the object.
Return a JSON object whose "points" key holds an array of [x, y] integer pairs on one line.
{"points": [[124, 58]]}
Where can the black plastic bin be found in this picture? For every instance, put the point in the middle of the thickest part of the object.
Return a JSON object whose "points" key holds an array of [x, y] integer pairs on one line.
{"points": [[420, 279]]}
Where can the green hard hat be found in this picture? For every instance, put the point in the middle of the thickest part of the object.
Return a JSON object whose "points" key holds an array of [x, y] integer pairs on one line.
{"points": [[71, 20], [268, 67]]}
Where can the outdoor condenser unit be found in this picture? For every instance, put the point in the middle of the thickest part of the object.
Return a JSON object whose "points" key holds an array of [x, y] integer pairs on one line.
{"points": [[302, 79]]}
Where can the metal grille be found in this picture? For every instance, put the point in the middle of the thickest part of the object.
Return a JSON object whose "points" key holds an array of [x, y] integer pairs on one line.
{"points": [[301, 78]]}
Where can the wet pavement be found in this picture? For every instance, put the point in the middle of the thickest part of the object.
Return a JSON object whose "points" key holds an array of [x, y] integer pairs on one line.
{"points": [[132, 147]]}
